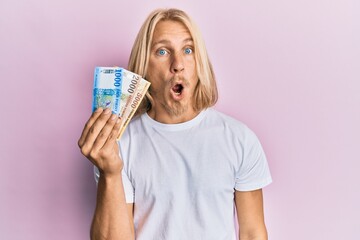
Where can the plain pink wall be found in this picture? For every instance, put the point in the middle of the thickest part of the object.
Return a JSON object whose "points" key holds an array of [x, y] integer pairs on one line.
{"points": [[289, 69]]}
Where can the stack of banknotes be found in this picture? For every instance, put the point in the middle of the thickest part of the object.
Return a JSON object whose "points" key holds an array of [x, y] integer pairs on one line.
{"points": [[119, 90]]}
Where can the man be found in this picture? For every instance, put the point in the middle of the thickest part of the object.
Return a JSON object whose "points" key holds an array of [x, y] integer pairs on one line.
{"points": [[183, 168]]}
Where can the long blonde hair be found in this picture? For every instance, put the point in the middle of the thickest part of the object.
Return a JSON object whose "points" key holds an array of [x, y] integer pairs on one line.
{"points": [[206, 93]]}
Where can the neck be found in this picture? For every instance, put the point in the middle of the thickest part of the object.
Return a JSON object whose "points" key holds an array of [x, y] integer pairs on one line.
{"points": [[163, 116]]}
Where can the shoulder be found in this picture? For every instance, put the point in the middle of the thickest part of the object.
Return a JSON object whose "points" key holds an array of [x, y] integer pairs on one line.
{"points": [[228, 124], [132, 129], [231, 130]]}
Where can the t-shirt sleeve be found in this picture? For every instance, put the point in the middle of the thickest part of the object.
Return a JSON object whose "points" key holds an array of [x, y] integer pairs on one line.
{"points": [[128, 188], [253, 172]]}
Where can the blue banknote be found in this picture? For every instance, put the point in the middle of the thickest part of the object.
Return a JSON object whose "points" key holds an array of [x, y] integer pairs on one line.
{"points": [[107, 89]]}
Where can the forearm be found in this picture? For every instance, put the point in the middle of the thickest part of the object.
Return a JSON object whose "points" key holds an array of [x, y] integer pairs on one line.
{"points": [[112, 219]]}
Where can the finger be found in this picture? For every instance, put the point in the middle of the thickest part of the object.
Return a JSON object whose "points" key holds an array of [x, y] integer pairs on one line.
{"points": [[94, 131], [104, 133], [109, 144], [88, 125]]}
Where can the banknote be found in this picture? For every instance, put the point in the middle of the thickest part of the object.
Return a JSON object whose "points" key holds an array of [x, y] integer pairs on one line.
{"points": [[119, 90], [133, 104]]}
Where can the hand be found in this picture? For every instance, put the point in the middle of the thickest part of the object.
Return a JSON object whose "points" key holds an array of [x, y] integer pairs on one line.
{"points": [[98, 142]]}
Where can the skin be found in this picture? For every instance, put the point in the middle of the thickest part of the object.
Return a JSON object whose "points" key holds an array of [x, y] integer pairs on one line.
{"points": [[250, 213], [171, 62], [113, 218]]}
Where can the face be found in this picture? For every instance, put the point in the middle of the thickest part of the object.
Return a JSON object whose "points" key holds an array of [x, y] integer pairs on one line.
{"points": [[172, 70]]}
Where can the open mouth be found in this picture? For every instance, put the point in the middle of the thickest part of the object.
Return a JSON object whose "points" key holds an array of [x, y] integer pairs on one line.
{"points": [[177, 89]]}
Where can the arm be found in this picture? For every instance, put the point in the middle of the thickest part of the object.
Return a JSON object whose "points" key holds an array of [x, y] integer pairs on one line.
{"points": [[113, 217], [250, 213]]}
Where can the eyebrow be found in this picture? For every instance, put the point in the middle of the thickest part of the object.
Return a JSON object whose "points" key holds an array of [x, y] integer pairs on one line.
{"points": [[164, 41]]}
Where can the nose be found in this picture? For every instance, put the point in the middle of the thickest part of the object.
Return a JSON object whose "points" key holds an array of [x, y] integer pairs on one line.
{"points": [[177, 64]]}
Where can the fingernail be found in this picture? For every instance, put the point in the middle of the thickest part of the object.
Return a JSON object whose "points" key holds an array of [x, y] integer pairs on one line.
{"points": [[98, 110], [118, 121], [107, 111], [113, 117]]}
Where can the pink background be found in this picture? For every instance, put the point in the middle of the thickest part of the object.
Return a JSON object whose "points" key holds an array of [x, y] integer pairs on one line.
{"points": [[289, 69]]}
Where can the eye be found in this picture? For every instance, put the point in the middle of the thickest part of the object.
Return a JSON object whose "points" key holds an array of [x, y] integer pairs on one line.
{"points": [[188, 50], [162, 52]]}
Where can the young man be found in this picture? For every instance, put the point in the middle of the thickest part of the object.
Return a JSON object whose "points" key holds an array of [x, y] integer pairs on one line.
{"points": [[183, 168]]}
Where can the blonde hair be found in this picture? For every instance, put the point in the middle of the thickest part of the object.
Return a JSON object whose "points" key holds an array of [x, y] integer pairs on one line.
{"points": [[206, 93]]}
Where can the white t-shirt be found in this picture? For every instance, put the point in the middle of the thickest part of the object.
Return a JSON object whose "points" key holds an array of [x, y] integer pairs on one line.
{"points": [[182, 177]]}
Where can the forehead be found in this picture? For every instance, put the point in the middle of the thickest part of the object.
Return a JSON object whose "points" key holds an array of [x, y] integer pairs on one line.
{"points": [[170, 30]]}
